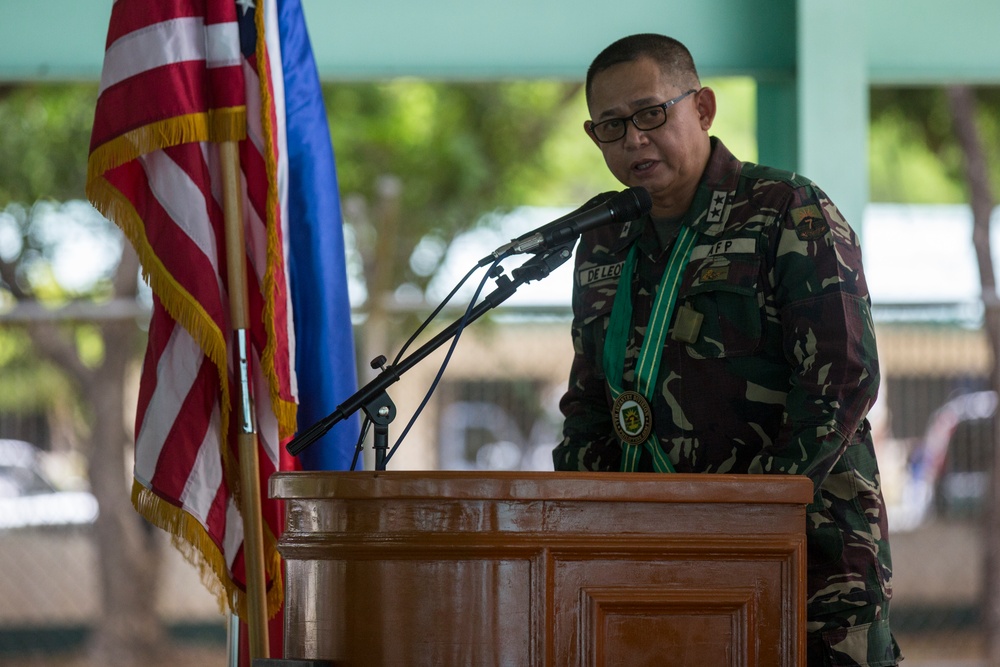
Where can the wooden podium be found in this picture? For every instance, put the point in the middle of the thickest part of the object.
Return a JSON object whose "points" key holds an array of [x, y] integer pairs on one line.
{"points": [[555, 569]]}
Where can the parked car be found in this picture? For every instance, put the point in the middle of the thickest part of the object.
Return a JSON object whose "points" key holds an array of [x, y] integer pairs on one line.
{"points": [[29, 498], [948, 469]]}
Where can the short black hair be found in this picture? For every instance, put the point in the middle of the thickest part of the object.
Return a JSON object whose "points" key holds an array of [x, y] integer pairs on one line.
{"points": [[670, 54]]}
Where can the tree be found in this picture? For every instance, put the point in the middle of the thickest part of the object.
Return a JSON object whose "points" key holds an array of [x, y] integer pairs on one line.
{"points": [[942, 136], [963, 105], [96, 352], [420, 162], [914, 153]]}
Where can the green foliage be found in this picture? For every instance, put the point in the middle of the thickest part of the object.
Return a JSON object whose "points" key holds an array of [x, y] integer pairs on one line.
{"points": [[460, 149], [89, 345], [459, 152], [736, 120], [28, 383], [913, 154], [59, 251], [44, 140]]}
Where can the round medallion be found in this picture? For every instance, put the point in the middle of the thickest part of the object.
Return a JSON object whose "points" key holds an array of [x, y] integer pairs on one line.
{"points": [[632, 417]]}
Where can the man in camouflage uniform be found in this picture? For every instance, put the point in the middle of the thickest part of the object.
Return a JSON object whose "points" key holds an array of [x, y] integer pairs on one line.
{"points": [[768, 361]]}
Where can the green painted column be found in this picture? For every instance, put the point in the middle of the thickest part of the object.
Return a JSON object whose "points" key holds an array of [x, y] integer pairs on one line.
{"points": [[832, 87], [778, 123]]}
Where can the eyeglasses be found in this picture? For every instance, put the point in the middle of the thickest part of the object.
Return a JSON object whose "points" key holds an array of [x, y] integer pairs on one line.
{"points": [[649, 118]]}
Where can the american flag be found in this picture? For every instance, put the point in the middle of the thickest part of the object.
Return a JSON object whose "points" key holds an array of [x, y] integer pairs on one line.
{"points": [[179, 77]]}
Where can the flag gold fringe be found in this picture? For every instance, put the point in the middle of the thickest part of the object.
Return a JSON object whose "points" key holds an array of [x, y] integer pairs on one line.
{"points": [[183, 308], [227, 124], [285, 411], [189, 537], [178, 302]]}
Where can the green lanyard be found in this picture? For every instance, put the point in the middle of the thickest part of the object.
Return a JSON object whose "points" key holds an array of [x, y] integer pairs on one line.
{"points": [[631, 412]]}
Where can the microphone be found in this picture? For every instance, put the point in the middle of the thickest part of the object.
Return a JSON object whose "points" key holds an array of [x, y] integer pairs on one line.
{"points": [[611, 207]]}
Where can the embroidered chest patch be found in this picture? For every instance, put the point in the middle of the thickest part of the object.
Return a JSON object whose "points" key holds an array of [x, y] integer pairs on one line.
{"points": [[712, 273], [596, 274], [809, 222]]}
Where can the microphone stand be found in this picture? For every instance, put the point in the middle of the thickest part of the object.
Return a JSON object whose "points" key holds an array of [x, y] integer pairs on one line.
{"points": [[373, 397]]}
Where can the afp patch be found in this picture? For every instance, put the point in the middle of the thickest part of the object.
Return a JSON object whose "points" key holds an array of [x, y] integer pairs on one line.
{"points": [[809, 222]]}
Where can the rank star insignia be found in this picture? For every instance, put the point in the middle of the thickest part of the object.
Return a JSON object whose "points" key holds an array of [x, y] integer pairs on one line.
{"points": [[717, 206], [632, 418]]}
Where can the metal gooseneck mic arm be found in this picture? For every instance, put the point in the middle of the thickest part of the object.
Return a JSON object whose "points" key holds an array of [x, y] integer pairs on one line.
{"points": [[552, 245], [372, 398]]}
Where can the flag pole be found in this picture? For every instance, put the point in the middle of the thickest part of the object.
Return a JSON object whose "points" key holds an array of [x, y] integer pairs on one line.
{"points": [[239, 310]]}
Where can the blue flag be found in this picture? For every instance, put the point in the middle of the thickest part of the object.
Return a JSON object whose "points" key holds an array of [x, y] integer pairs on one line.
{"points": [[324, 353]]}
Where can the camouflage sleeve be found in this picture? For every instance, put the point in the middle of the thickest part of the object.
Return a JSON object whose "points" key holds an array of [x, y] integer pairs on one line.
{"points": [[822, 302]]}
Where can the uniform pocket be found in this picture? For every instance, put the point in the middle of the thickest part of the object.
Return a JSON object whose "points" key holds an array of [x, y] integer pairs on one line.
{"points": [[725, 290], [865, 645], [824, 537]]}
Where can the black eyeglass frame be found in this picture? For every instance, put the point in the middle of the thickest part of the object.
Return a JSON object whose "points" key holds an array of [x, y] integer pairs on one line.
{"points": [[664, 105]]}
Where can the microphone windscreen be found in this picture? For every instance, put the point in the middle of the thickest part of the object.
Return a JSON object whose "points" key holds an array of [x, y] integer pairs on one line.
{"points": [[630, 204]]}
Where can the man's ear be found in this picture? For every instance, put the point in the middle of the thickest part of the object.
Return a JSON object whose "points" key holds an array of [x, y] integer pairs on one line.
{"points": [[587, 124], [706, 106]]}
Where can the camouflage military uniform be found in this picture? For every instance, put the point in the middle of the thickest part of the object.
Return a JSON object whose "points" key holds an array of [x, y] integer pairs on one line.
{"points": [[779, 378]]}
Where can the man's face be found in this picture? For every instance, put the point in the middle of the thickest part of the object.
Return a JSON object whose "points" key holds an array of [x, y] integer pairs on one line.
{"points": [[669, 160]]}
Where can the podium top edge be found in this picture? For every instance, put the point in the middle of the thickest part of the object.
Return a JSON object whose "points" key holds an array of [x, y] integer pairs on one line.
{"points": [[525, 486]]}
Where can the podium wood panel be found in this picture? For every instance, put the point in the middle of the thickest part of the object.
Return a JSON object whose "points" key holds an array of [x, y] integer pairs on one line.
{"points": [[556, 569]]}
